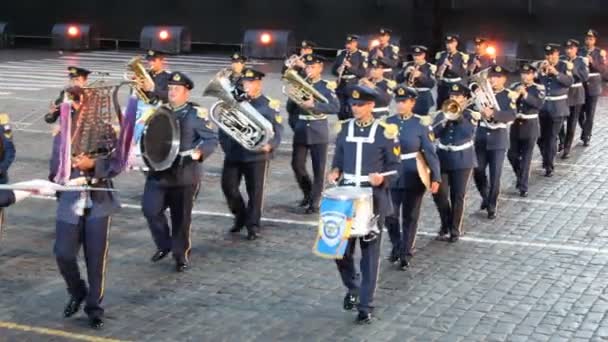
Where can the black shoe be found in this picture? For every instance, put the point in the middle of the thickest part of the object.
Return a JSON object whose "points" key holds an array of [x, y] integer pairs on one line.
{"points": [[548, 173], [96, 322], [72, 306], [311, 210], [491, 215], [586, 142], [236, 228], [304, 202], [394, 257], [404, 264], [350, 301], [560, 147], [364, 318], [181, 267], [565, 155], [159, 255], [523, 193], [483, 206], [442, 236], [454, 237], [252, 234]]}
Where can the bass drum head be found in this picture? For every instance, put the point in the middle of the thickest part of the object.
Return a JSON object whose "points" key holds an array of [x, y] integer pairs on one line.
{"points": [[160, 140]]}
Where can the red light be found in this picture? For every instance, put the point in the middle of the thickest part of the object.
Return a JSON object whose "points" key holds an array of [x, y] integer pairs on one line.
{"points": [[73, 31], [374, 43], [490, 50], [163, 35], [265, 38]]}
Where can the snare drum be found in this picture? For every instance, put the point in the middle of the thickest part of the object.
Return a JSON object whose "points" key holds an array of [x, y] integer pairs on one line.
{"points": [[346, 211]]}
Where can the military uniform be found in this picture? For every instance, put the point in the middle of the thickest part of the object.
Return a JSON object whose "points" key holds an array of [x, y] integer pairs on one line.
{"points": [[491, 143], [83, 218], [252, 165], [234, 77], [379, 153], [555, 108], [390, 55], [525, 130], [291, 107], [457, 160], [311, 134], [593, 87], [73, 72], [160, 78], [384, 87], [423, 84], [407, 190], [7, 149], [176, 187], [485, 60], [350, 76], [455, 74], [576, 97]]}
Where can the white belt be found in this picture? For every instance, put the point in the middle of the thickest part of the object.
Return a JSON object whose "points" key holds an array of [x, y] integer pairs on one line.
{"points": [[556, 98], [575, 85], [409, 156], [422, 89], [527, 116], [454, 148], [388, 70], [348, 77], [492, 126], [352, 177], [594, 74], [312, 117], [380, 109], [186, 153], [452, 80]]}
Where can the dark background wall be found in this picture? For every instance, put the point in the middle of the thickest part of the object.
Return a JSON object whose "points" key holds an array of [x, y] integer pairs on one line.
{"points": [[324, 21]]}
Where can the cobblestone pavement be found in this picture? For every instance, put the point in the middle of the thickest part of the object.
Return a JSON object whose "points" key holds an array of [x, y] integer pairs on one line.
{"points": [[537, 273]]}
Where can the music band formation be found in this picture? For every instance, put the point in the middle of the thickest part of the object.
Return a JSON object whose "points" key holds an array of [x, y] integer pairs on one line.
{"points": [[383, 162]]}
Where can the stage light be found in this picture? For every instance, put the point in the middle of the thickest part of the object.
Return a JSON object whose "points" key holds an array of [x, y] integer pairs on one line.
{"points": [[74, 37], [268, 43], [168, 39], [491, 50], [73, 31]]}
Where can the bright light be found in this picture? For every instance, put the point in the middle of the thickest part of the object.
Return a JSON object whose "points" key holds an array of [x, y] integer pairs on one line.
{"points": [[163, 35], [265, 38], [374, 43], [490, 50], [73, 31]]}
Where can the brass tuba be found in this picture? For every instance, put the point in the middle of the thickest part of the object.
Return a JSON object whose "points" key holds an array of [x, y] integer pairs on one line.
{"points": [[482, 93], [239, 120], [136, 66], [299, 90]]}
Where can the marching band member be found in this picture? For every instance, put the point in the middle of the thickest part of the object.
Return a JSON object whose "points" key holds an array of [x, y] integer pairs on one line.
{"points": [[386, 53], [593, 87], [576, 94], [7, 146], [306, 48], [407, 191], [349, 67], [77, 78], [236, 67], [556, 76], [383, 86], [177, 187], [240, 162], [480, 59], [83, 218], [457, 160], [451, 67], [420, 75], [157, 91], [311, 134], [492, 140], [381, 150], [525, 130]]}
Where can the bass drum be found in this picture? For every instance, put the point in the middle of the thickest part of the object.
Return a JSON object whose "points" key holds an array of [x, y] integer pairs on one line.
{"points": [[160, 140]]}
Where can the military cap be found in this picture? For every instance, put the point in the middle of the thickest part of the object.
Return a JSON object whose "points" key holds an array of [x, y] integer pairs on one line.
{"points": [[403, 93], [237, 57], [250, 74], [179, 78], [76, 72], [152, 54], [313, 59], [359, 94]]}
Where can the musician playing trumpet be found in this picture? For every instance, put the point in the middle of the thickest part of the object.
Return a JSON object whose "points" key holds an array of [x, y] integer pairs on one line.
{"points": [[416, 141], [375, 80], [386, 52], [454, 128], [420, 75], [492, 139], [311, 135]]}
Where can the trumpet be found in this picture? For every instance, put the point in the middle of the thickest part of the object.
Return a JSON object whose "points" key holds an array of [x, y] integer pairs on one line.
{"points": [[452, 111], [292, 61], [412, 77]]}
